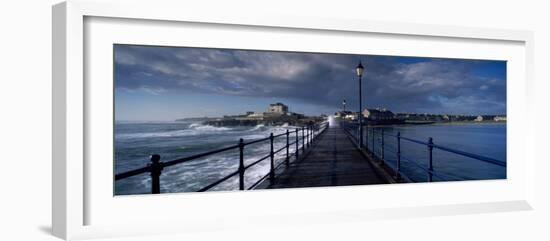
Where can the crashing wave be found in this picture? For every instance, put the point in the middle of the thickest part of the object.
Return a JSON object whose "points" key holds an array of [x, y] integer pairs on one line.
{"points": [[259, 127], [194, 129]]}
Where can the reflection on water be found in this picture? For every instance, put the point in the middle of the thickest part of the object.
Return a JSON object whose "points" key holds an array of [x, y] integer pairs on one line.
{"points": [[482, 139]]}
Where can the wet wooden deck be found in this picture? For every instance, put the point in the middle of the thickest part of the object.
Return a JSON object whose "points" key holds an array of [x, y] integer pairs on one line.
{"points": [[333, 160]]}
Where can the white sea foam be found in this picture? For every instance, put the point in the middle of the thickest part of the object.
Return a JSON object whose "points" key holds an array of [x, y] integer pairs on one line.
{"points": [[253, 137], [193, 130], [194, 125], [258, 127], [209, 128]]}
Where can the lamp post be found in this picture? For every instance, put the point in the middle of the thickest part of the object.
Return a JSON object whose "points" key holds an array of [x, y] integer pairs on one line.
{"points": [[359, 70], [344, 104]]}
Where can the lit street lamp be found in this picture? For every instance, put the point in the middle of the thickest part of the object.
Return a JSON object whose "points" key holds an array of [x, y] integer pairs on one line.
{"points": [[359, 69], [344, 104]]}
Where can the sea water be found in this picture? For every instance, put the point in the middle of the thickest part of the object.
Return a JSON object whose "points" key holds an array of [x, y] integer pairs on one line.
{"points": [[136, 141], [485, 139]]}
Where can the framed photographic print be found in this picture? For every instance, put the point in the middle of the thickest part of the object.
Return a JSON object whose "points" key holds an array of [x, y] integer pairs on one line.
{"points": [[195, 120], [230, 136]]}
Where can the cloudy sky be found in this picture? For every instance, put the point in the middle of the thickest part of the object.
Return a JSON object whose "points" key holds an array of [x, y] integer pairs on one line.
{"points": [[165, 83]]}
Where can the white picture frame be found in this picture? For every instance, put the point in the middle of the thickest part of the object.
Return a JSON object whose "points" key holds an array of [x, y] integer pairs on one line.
{"points": [[72, 188]]}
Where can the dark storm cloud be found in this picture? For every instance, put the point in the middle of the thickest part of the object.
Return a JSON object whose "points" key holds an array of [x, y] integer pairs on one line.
{"points": [[398, 83]]}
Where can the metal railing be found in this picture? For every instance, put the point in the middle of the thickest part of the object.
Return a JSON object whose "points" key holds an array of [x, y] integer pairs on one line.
{"points": [[429, 144], [308, 134]]}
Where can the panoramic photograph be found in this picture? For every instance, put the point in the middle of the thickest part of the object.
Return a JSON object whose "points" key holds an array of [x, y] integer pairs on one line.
{"points": [[190, 119]]}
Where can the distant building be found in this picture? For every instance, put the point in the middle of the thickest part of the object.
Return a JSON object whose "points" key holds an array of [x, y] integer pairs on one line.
{"points": [[348, 115], [342, 114], [378, 114], [276, 114], [296, 115], [499, 118], [479, 118], [255, 116], [351, 116], [279, 108]]}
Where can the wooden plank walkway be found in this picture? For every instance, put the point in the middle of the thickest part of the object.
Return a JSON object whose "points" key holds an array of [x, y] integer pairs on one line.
{"points": [[333, 160]]}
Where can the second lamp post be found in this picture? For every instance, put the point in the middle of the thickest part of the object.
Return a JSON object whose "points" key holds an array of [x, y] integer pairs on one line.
{"points": [[359, 69]]}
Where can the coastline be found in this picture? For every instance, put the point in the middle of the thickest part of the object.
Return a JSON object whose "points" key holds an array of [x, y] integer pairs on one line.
{"points": [[454, 123], [471, 123]]}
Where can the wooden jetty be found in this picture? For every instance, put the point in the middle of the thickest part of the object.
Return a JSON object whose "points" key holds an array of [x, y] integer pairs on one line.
{"points": [[332, 160]]}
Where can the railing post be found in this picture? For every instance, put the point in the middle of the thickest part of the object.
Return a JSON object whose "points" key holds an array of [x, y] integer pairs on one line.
{"points": [[398, 172], [241, 164], [367, 138], [359, 136], [297, 144], [382, 144], [156, 169], [430, 164], [360, 132], [303, 140], [310, 134], [272, 167], [374, 154], [307, 136], [287, 147]]}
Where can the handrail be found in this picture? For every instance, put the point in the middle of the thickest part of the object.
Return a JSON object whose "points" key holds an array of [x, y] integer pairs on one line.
{"points": [[185, 159], [462, 153], [258, 182], [324, 124], [416, 141], [218, 182], [155, 167], [256, 141], [282, 148], [256, 162], [429, 144], [471, 155], [132, 173], [171, 163], [416, 164]]}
